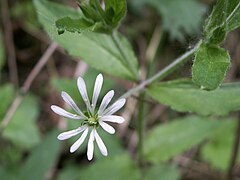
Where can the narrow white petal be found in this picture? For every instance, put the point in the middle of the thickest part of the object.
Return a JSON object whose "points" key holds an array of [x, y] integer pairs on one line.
{"points": [[72, 104], [96, 91], [90, 148], [106, 100], [113, 118], [100, 144], [115, 107], [79, 142], [64, 113], [83, 91], [69, 134], [107, 127]]}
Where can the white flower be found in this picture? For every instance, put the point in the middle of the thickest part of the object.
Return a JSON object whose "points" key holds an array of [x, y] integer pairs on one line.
{"points": [[92, 118]]}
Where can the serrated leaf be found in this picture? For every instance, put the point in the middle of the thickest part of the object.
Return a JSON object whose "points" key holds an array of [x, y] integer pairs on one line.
{"points": [[41, 159], [225, 16], [168, 140], [161, 172], [98, 50], [220, 145], [117, 168], [179, 17], [210, 65], [184, 96], [22, 129], [6, 96]]}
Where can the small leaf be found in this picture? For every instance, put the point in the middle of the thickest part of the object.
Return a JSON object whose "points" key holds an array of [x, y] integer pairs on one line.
{"points": [[210, 65], [161, 172], [220, 145], [168, 140], [98, 50], [41, 159], [184, 96], [22, 129]]}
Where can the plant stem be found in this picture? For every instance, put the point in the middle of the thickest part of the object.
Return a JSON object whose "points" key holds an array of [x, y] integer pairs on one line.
{"points": [[234, 151], [162, 73], [116, 41], [140, 128]]}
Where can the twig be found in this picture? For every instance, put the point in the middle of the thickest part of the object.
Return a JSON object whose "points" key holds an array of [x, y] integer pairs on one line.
{"points": [[17, 101], [8, 35], [233, 160], [162, 73]]}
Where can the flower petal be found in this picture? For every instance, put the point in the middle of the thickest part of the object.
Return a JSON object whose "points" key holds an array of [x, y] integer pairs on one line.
{"points": [[90, 148], [115, 107], [83, 91], [69, 134], [100, 143], [113, 118], [106, 100], [79, 142], [72, 104], [107, 127], [96, 91], [64, 113]]}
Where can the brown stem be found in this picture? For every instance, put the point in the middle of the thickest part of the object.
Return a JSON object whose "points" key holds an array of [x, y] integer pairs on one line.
{"points": [[8, 37], [235, 150], [28, 82]]}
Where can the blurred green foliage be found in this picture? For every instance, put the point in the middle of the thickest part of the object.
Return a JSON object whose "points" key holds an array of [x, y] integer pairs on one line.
{"points": [[218, 150], [22, 131], [179, 18], [166, 141]]}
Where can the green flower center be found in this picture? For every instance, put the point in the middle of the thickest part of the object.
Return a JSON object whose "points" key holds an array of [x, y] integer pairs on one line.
{"points": [[92, 121]]}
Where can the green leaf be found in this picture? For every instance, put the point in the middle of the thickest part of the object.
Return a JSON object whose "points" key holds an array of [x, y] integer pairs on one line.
{"points": [[179, 17], [6, 96], [184, 96], [22, 129], [41, 159], [224, 18], [2, 52], [98, 50], [210, 65], [168, 140], [118, 168], [220, 145], [115, 10], [161, 172]]}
